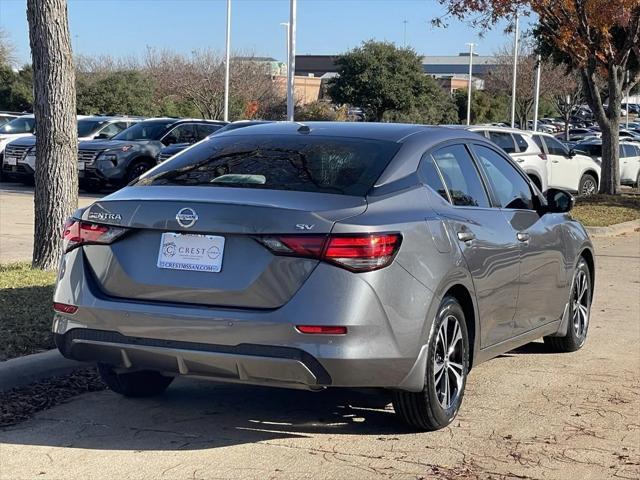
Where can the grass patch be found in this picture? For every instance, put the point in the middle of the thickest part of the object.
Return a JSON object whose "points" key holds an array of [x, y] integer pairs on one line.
{"points": [[26, 295], [604, 210]]}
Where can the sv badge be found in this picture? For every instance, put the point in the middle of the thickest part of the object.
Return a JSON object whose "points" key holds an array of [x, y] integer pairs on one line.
{"points": [[304, 226]]}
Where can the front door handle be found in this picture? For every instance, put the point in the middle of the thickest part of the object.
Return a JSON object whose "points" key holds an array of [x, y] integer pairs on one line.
{"points": [[523, 237], [466, 236]]}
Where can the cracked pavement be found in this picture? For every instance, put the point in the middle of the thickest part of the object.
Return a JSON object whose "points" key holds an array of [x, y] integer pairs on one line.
{"points": [[528, 414]]}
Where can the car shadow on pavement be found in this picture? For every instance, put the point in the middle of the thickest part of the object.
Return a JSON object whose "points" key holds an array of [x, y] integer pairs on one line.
{"points": [[195, 414]]}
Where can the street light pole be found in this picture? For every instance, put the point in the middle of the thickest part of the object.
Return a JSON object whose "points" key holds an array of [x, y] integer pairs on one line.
{"points": [[537, 98], [286, 27], [292, 61], [404, 44], [227, 62], [471, 45], [515, 72]]}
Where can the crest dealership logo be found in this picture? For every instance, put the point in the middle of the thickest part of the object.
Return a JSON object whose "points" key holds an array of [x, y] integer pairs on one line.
{"points": [[186, 217], [169, 249]]}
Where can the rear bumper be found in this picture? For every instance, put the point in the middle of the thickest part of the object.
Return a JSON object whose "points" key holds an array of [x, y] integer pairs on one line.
{"points": [[248, 363]]}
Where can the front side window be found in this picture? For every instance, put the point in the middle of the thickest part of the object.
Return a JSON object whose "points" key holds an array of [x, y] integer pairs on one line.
{"points": [[185, 133], [504, 140], [461, 176], [151, 130], [555, 147], [19, 125], [346, 166], [509, 186]]}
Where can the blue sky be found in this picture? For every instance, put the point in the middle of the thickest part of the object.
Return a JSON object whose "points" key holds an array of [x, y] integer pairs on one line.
{"points": [[127, 27]]}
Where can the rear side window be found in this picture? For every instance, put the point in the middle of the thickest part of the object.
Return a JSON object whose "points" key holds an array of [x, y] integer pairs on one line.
{"points": [[538, 140], [204, 129], [461, 176], [346, 166], [521, 142], [504, 140], [512, 190], [432, 177]]}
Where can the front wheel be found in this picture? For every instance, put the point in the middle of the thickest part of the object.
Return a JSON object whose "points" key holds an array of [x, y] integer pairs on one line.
{"points": [[137, 169], [438, 403], [588, 185], [143, 383], [579, 312]]}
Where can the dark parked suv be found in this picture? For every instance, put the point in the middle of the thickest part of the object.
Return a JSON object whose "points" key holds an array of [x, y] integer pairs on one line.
{"points": [[133, 151]]}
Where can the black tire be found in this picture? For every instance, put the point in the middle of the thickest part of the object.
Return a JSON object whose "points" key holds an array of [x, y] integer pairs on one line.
{"points": [[423, 410], [578, 327], [588, 185], [144, 383], [638, 181], [137, 168]]}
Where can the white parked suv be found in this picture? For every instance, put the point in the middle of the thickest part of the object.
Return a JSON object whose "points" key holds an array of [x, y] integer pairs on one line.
{"points": [[522, 148], [629, 158], [568, 169]]}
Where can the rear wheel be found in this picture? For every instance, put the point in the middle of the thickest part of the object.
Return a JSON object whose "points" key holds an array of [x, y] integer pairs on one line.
{"points": [[579, 312], [446, 374], [588, 185], [137, 169], [144, 383]]}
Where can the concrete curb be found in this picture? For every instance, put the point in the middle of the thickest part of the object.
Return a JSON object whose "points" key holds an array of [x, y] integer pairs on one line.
{"points": [[613, 230], [22, 371]]}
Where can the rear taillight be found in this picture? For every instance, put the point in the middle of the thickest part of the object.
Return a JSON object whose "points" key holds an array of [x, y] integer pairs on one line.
{"points": [[321, 330], [358, 253], [64, 308], [542, 156], [77, 233]]}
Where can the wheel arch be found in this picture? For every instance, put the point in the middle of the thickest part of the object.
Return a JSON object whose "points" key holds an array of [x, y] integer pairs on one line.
{"points": [[464, 297], [588, 256]]}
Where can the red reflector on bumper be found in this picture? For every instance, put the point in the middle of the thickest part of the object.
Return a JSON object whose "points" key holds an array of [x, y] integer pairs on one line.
{"points": [[64, 308], [316, 329]]}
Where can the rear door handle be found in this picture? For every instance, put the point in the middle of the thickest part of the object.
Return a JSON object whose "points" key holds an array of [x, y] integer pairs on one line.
{"points": [[523, 237], [466, 236]]}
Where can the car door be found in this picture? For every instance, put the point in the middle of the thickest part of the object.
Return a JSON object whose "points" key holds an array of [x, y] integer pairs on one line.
{"points": [[563, 169], [487, 241], [543, 278], [629, 162]]}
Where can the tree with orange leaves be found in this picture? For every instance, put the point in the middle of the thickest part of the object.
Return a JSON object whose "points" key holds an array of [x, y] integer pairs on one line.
{"points": [[600, 39]]}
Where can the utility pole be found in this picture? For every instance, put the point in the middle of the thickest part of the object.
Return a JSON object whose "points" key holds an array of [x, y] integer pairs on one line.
{"points": [[515, 72], [227, 62], [292, 61], [471, 45], [537, 97], [627, 106]]}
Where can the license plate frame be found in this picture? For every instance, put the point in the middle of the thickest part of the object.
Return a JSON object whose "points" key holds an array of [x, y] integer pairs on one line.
{"points": [[191, 252]]}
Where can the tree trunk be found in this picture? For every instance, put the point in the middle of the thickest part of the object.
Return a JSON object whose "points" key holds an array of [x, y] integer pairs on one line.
{"points": [[56, 175], [609, 122]]}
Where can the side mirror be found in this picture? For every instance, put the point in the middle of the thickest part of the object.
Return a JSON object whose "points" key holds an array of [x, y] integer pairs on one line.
{"points": [[558, 201], [103, 136], [572, 153]]}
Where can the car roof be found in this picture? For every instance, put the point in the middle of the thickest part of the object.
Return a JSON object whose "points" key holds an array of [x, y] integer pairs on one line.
{"points": [[392, 132]]}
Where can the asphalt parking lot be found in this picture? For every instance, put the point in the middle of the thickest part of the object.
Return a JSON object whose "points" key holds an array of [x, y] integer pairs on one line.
{"points": [[528, 414]]}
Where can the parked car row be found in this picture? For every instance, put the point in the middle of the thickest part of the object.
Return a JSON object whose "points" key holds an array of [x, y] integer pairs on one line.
{"points": [[547, 162]]}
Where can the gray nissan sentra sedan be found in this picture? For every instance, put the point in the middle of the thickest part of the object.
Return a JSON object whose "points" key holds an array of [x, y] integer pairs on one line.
{"points": [[324, 255]]}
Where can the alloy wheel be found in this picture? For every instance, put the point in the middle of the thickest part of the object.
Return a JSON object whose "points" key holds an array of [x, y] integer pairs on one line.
{"points": [[588, 188], [580, 298], [448, 371]]}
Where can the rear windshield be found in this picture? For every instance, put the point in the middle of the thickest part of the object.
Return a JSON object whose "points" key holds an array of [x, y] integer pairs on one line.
{"points": [[346, 166]]}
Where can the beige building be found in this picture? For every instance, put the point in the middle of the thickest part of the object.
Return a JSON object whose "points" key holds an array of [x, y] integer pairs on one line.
{"points": [[306, 88]]}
